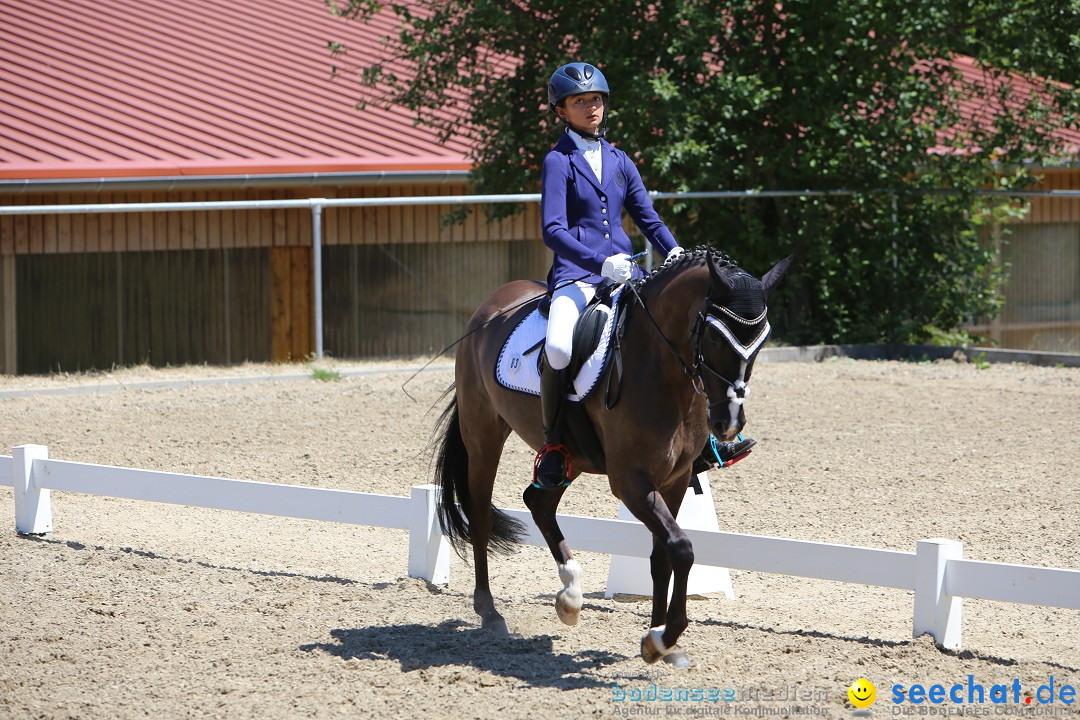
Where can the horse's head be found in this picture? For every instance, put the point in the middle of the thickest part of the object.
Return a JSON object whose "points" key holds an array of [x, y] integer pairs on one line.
{"points": [[727, 337]]}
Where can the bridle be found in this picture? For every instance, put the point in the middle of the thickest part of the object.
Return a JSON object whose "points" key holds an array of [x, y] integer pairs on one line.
{"points": [[716, 315]]}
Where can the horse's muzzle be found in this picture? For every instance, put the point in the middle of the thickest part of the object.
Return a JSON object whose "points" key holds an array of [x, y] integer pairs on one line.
{"points": [[724, 426]]}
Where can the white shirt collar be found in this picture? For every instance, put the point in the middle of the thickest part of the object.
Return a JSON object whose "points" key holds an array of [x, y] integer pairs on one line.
{"points": [[590, 150], [584, 144]]}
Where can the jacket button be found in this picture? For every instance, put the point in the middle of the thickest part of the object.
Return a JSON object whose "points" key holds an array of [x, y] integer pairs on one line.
{"points": [[607, 236], [605, 222], [603, 198], [603, 210]]}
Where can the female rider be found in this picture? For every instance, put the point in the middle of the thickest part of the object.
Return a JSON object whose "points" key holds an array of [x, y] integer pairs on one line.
{"points": [[585, 185]]}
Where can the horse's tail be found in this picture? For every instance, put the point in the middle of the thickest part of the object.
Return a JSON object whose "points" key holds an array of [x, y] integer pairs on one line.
{"points": [[455, 500]]}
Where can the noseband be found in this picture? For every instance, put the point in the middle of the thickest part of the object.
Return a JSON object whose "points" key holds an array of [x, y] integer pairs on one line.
{"points": [[718, 316]]}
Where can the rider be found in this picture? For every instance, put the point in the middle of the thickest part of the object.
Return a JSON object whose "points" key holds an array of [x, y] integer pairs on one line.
{"points": [[585, 185]]}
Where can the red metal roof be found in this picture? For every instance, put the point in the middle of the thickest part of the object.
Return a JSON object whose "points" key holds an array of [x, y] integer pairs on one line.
{"points": [[982, 110], [114, 88], [123, 89]]}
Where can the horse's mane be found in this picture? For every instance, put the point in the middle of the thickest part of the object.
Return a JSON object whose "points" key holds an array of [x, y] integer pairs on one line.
{"points": [[690, 258]]}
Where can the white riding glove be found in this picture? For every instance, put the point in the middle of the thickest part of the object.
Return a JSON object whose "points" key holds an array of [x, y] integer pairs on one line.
{"points": [[618, 268], [675, 252]]}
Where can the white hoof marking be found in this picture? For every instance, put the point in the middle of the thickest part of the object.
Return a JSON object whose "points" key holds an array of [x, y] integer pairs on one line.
{"points": [[568, 600], [656, 636]]}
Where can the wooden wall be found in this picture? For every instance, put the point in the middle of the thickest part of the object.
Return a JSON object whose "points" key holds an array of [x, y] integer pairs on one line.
{"points": [[415, 299], [82, 291], [94, 310], [1056, 210], [1042, 255], [93, 290], [154, 231], [291, 321]]}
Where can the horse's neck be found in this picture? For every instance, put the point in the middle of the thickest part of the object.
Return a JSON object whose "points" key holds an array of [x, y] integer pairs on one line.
{"points": [[674, 300]]}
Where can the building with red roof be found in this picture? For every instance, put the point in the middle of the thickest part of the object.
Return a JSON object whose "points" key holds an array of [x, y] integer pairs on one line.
{"points": [[112, 89], [108, 101]]}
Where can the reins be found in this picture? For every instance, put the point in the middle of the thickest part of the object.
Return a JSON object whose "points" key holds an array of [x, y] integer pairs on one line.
{"points": [[694, 371], [694, 374]]}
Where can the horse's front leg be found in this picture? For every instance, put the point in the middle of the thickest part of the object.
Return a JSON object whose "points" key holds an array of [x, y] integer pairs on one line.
{"points": [[543, 504], [672, 557], [660, 568]]}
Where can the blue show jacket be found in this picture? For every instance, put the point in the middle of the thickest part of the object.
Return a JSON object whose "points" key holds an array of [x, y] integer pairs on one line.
{"points": [[582, 216]]}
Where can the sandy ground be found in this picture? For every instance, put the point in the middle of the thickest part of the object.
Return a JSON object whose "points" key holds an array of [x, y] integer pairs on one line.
{"points": [[143, 610]]}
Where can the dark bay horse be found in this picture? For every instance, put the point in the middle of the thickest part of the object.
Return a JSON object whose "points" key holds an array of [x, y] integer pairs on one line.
{"points": [[688, 351]]}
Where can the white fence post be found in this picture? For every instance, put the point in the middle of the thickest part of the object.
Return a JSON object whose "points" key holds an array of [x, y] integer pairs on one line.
{"points": [[429, 551], [33, 506], [935, 612]]}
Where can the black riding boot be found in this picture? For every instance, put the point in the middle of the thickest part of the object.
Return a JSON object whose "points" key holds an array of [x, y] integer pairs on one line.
{"points": [[552, 465], [722, 453]]}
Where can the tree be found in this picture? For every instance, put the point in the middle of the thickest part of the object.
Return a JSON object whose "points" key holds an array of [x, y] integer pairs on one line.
{"points": [[799, 94]]}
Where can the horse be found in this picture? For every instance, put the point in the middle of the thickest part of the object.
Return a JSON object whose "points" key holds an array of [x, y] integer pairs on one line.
{"points": [[693, 332]]}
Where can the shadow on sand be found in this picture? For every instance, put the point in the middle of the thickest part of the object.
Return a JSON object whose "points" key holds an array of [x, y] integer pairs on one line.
{"points": [[530, 660]]}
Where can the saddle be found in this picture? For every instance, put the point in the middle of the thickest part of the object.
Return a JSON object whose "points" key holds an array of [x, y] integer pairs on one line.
{"points": [[589, 329], [597, 356]]}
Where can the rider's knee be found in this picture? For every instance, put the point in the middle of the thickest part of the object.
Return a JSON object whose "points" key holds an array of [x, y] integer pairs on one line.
{"points": [[558, 354]]}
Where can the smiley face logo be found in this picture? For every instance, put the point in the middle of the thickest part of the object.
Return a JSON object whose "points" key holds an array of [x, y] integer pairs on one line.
{"points": [[862, 693]]}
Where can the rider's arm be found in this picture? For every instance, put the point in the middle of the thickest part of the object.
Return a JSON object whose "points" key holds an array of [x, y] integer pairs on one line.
{"points": [[554, 197], [640, 208]]}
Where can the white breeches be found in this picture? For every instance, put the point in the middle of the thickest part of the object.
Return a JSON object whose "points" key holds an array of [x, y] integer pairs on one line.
{"points": [[566, 305]]}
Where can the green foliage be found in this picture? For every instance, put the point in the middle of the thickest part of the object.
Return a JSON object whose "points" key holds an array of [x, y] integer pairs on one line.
{"points": [[854, 94], [324, 374]]}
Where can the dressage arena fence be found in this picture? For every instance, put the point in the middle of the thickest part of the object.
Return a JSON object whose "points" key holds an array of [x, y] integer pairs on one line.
{"points": [[936, 572]]}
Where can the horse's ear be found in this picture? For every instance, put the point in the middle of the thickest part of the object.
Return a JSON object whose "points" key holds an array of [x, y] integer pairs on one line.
{"points": [[718, 277], [772, 278]]}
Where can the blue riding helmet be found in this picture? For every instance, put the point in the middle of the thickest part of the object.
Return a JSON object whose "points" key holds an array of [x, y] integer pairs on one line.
{"points": [[574, 79]]}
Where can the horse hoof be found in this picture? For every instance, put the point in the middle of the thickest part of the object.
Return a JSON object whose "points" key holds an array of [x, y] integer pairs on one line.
{"points": [[568, 606], [652, 649], [678, 657], [495, 625], [649, 652]]}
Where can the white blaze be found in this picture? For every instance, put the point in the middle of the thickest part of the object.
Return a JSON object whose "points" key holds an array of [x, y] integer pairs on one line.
{"points": [[734, 401]]}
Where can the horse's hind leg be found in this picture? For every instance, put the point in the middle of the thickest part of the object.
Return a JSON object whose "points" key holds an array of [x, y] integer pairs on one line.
{"points": [[543, 504], [485, 443], [481, 479]]}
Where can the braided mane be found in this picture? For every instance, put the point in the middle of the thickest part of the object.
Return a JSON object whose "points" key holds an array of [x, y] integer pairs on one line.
{"points": [[689, 258]]}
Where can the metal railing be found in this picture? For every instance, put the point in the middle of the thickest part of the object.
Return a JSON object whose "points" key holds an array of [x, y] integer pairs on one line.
{"points": [[317, 205]]}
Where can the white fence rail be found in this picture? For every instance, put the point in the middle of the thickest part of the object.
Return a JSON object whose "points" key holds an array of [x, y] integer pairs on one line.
{"points": [[936, 571]]}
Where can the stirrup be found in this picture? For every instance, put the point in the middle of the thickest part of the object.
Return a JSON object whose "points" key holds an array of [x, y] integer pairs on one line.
{"points": [[711, 456], [550, 448], [727, 462]]}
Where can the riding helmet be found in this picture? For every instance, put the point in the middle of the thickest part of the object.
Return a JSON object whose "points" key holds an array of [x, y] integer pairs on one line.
{"points": [[574, 79]]}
